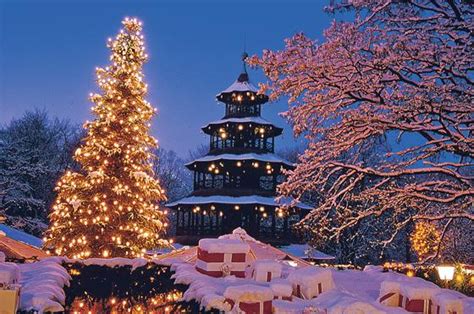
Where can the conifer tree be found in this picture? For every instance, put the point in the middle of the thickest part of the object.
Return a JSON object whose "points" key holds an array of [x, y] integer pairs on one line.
{"points": [[110, 207]]}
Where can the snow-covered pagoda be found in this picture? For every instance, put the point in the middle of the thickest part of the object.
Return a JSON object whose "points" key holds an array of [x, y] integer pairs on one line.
{"points": [[235, 183]]}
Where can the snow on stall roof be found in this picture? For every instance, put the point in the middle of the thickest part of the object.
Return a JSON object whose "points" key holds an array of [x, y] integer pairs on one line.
{"points": [[256, 120], [337, 301], [248, 156], [19, 250], [258, 251], [21, 236], [223, 246], [305, 251], [116, 261], [248, 293], [223, 199], [42, 286]]}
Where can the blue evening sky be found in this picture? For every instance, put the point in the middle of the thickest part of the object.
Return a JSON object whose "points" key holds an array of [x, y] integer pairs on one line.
{"points": [[49, 49]]}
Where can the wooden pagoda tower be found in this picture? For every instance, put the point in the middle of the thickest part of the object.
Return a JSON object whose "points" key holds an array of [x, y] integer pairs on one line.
{"points": [[235, 183]]}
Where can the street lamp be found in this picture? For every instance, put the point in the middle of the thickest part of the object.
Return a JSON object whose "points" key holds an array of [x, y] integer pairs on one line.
{"points": [[445, 272]]}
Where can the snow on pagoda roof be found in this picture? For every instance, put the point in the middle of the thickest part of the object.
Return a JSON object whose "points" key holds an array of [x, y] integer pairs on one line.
{"points": [[248, 156], [256, 120], [223, 199], [240, 86]]}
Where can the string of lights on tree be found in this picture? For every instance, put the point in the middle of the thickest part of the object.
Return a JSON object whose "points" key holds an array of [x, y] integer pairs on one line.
{"points": [[425, 239], [111, 206]]}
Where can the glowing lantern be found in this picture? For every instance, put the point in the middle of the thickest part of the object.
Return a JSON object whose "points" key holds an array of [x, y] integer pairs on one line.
{"points": [[445, 272]]}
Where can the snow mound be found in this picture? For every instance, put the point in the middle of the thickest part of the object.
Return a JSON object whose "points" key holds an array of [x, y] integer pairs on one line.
{"points": [[238, 234], [9, 273], [248, 293], [42, 286]]}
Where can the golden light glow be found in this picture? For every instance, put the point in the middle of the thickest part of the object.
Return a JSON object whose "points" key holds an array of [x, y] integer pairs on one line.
{"points": [[425, 239]]}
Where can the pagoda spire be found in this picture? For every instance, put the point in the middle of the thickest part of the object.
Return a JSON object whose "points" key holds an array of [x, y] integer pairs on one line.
{"points": [[245, 55], [244, 77]]}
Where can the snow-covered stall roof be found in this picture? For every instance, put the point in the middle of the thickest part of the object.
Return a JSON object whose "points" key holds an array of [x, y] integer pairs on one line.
{"points": [[41, 284], [21, 236], [248, 156], [258, 250], [249, 199], [17, 249]]}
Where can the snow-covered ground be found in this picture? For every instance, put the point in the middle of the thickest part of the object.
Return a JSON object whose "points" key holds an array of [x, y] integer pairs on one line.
{"points": [[320, 290], [323, 290]]}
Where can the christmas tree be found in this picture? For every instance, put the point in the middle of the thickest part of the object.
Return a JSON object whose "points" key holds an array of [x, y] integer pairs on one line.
{"points": [[111, 206]]}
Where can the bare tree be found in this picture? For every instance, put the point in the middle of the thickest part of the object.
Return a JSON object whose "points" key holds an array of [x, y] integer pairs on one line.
{"points": [[400, 70]]}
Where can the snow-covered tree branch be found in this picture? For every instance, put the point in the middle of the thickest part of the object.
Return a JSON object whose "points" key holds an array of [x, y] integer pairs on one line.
{"points": [[401, 71]]}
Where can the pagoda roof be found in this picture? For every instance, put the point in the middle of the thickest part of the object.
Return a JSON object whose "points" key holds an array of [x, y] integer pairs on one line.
{"points": [[249, 199], [242, 85], [249, 156], [256, 120]]}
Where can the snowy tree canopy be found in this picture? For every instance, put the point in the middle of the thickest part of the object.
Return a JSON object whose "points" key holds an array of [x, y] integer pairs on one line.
{"points": [[398, 70], [34, 150], [175, 179]]}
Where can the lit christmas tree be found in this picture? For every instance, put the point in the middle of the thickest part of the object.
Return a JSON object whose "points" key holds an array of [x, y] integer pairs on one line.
{"points": [[110, 207]]}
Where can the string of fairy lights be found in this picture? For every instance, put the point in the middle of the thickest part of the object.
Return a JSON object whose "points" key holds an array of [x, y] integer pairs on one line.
{"points": [[111, 206]]}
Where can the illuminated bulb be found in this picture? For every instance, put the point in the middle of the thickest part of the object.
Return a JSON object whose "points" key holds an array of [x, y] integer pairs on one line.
{"points": [[240, 127], [236, 207]]}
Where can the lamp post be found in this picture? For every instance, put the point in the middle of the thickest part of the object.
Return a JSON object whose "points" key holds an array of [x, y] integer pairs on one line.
{"points": [[445, 273]]}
